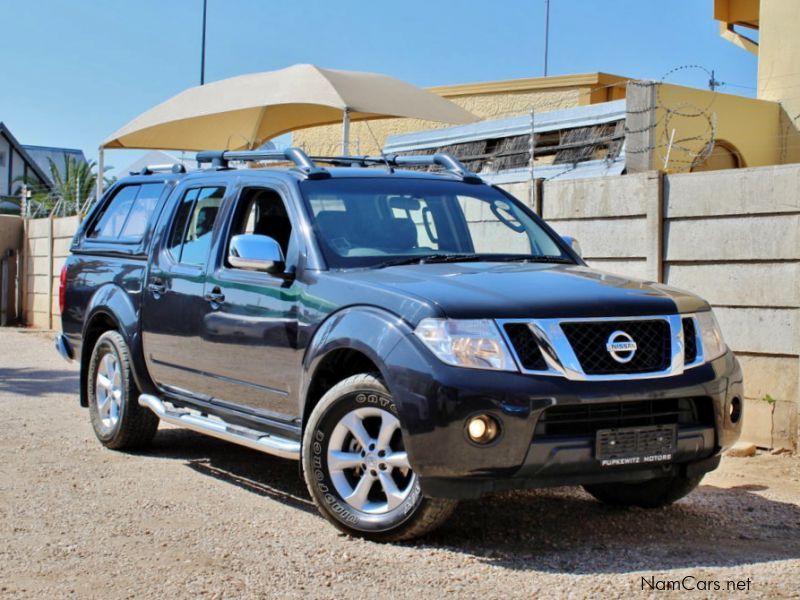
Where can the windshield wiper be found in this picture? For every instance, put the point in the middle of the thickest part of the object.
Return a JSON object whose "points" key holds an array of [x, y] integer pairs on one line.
{"points": [[529, 258], [428, 258], [451, 258]]}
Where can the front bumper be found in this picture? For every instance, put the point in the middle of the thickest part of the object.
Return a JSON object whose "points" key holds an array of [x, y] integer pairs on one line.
{"points": [[434, 401]]}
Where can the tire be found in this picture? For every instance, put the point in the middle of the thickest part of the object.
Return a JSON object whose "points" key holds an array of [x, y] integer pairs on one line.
{"points": [[654, 493], [117, 419], [351, 491]]}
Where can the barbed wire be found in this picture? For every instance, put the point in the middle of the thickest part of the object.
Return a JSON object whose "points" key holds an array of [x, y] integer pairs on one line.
{"points": [[687, 150]]}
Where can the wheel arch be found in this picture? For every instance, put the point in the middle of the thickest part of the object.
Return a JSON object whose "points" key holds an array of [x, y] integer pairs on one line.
{"points": [[353, 340], [111, 308]]}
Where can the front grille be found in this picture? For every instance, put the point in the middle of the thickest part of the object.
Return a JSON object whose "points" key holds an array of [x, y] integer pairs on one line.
{"points": [[689, 341], [524, 342], [587, 419], [588, 340]]}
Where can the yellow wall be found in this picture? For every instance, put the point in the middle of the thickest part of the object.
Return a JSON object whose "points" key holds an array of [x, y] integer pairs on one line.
{"points": [[779, 53], [752, 127], [491, 100], [779, 66]]}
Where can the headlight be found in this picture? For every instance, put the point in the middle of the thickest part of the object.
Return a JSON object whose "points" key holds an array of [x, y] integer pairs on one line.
{"points": [[711, 336], [475, 344]]}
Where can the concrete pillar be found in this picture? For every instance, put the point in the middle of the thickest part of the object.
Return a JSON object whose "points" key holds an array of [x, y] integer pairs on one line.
{"points": [[640, 126], [656, 223]]}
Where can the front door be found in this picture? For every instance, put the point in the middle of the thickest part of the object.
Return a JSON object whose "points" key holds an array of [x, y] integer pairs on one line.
{"points": [[249, 334], [174, 304]]}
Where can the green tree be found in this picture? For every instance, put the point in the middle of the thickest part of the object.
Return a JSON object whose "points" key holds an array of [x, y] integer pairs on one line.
{"points": [[75, 187]]}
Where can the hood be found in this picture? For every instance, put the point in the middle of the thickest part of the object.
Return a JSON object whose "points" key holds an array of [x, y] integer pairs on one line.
{"points": [[516, 290]]}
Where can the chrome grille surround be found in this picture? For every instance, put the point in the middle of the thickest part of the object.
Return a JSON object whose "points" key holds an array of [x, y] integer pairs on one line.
{"points": [[562, 361]]}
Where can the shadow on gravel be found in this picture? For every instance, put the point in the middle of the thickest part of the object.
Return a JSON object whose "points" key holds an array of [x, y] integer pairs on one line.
{"points": [[559, 530], [566, 531], [37, 382], [265, 475]]}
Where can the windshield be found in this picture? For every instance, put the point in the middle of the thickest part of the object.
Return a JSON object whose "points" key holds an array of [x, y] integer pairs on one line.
{"points": [[373, 222]]}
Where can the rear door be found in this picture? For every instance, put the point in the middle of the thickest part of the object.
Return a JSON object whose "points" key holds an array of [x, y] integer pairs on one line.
{"points": [[174, 306]]}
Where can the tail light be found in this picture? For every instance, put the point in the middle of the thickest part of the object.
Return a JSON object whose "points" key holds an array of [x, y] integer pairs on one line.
{"points": [[62, 289]]}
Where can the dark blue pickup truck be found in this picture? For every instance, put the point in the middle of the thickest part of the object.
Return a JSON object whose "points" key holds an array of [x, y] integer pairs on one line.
{"points": [[412, 337]]}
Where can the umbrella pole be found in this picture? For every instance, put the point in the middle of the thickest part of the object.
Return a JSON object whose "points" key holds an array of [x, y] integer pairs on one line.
{"points": [[346, 132], [101, 166]]}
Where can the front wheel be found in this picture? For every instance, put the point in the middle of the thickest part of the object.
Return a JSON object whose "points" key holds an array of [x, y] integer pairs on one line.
{"points": [[356, 467], [654, 493]]}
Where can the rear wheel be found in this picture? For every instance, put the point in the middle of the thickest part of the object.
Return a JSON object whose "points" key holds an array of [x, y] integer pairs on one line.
{"points": [[357, 469], [117, 419], [646, 494]]}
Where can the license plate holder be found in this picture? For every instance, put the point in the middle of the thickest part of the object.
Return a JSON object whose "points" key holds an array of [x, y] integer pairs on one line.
{"points": [[636, 445]]}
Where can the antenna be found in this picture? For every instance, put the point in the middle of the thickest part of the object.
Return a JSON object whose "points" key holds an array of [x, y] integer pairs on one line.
{"points": [[546, 32], [383, 156], [203, 47], [713, 83]]}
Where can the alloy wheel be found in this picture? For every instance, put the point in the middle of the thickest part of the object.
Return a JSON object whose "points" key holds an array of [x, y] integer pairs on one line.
{"points": [[368, 463], [108, 391]]}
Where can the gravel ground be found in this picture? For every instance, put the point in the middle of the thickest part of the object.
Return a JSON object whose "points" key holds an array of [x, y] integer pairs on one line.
{"points": [[196, 517]]}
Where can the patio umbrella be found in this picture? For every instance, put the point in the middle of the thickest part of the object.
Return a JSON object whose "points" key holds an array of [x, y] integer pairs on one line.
{"points": [[242, 112]]}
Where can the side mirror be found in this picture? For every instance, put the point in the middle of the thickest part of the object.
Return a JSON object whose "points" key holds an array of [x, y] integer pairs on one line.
{"points": [[255, 253], [574, 244]]}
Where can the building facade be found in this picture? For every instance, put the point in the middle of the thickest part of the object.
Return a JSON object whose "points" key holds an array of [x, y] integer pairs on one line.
{"points": [[16, 164]]}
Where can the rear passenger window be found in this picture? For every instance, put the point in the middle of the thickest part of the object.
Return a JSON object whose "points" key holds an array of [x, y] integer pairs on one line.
{"points": [[142, 211], [126, 216], [113, 217], [190, 239]]}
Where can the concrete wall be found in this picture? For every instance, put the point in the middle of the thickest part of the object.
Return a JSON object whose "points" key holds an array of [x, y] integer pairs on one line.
{"points": [[46, 248], [732, 237], [610, 217]]}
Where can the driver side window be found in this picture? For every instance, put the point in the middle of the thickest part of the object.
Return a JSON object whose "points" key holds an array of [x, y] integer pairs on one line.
{"points": [[261, 211]]}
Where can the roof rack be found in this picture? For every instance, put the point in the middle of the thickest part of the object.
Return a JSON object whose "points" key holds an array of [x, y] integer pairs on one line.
{"points": [[442, 159], [220, 159], [308, 166], [165, 168]]}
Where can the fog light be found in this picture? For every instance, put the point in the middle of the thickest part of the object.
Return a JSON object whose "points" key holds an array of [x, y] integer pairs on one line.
{"points": [[482, 429], [735, 411]]}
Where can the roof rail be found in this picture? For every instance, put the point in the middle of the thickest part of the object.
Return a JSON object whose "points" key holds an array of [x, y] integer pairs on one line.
{"points": [[306, 165], [220, 159], [165, 168], [442, 159]]}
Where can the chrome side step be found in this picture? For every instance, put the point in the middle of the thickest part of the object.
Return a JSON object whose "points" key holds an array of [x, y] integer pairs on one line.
{"points": [[217, 428]]}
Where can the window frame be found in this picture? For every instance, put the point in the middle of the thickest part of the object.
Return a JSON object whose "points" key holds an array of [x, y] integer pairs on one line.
{"points": [[101, 213], [106, 204], [231, 217], [172, 223]]}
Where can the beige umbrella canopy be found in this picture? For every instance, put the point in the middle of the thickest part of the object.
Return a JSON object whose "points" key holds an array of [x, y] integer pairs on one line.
{"points": [[243, 112]]}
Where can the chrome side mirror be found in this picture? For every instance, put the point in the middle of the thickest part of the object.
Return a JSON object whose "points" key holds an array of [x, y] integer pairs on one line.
{"points": [[255, 253], [574, 244]]}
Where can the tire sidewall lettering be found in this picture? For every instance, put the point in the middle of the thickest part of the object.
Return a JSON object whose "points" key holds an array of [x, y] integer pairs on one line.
{"points": [[322, 481]]}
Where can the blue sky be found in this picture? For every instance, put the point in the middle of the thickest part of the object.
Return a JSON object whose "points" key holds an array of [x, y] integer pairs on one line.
{"points": [[74, 72]]}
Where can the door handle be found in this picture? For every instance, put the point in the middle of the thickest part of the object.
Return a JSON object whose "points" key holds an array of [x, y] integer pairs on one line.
{"points": [[215, 296], [157, 286]]}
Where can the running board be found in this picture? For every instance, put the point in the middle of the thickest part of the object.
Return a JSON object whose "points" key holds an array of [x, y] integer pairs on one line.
{"points": [[243, 436]]}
